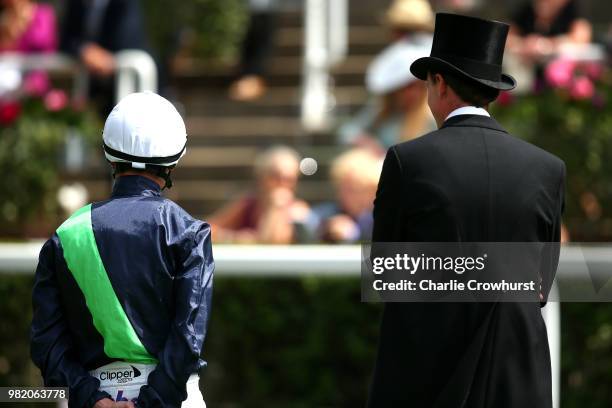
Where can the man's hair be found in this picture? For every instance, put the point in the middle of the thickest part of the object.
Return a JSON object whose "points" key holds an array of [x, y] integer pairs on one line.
{"points": [[151, 169], [163, 172], [121, 167], [469, 91], [265, 160]]}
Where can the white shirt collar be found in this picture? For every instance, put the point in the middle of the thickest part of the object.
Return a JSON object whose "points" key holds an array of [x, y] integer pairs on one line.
{"points": [[468, 110]]}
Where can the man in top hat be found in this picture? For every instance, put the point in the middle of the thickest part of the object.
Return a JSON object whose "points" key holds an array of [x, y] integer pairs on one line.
{"points": [[468, 181]]}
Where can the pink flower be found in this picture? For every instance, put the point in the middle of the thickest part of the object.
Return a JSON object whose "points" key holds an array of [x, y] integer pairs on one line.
{"points": [[505, 98], [582, 88], [559, 73], [594, 70], [56, 100], [36, 83], [9, 112]]}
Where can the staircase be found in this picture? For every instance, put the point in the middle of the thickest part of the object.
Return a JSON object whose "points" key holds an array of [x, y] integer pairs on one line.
{"points": [[225, 136]]}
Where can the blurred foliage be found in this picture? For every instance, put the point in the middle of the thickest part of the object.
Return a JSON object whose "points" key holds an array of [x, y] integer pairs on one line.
{"points": [[293, 342], [587, 368], [31, 146], [207, 28], [15, 317], [570, 115], [309, 342]]}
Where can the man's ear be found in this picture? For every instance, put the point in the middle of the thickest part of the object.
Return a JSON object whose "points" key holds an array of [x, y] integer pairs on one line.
{"points": [[441, 85], [437, 83]]}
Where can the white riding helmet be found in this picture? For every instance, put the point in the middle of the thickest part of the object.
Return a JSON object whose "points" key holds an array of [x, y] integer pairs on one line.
{"points": [[144, 129]]}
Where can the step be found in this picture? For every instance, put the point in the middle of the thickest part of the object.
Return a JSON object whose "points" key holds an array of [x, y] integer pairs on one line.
{"points": [[370, 40], [277, 101], [361, 12], [250, 131], [210, 157], [357, 35], [281, 66], [243, 127]]}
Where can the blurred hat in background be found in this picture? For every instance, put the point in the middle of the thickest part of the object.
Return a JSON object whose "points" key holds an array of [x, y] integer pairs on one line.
{"points": [[390, 70], [413, 15]]}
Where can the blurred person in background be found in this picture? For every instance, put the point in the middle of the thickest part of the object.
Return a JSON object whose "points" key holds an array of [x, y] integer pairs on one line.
{"points": [[27, 27], [456, 6], [397, 110], [256, 47], [272, 214], [405, 18], [540, 28], [355, 175], [93, 30]]}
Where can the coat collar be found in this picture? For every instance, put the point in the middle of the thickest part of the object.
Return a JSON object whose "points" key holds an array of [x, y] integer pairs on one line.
{"points": [[473, 121], [135, 186]]}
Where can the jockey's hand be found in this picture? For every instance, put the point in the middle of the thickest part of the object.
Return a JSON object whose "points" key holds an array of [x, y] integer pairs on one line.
{"points": [[105, 403], [129, 404], [109, 403]]}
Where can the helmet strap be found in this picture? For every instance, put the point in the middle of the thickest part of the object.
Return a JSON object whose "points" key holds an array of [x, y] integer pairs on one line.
{"points": [[115, 168], [162, 172], [166, 176]]}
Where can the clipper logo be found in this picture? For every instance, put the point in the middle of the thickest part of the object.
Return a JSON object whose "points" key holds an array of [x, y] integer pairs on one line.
{"points": [[120, 376]]}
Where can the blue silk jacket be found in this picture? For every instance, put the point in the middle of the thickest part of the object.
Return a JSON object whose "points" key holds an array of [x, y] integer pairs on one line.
{"points": [[159, 262]]}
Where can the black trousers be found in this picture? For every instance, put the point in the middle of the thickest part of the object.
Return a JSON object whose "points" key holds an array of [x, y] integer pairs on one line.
{"points": [[258, 43]]}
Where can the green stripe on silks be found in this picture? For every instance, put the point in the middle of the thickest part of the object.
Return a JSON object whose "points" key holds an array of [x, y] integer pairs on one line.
{"points": [[83, 259]]}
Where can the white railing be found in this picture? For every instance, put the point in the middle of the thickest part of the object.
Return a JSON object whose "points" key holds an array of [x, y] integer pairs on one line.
{"points": [[328, 260], [51, 63], [302, 260], [325, 44], [136, 70]]}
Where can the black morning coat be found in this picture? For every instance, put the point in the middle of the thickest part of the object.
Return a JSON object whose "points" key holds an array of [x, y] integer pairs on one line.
{"points": [[469, 181]]}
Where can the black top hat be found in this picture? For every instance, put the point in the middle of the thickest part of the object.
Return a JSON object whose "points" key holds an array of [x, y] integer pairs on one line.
{"points": [[469, 46]]}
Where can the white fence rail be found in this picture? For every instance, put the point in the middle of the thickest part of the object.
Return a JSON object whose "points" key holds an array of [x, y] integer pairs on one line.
{"points": [[298, 260], [136, 70]]}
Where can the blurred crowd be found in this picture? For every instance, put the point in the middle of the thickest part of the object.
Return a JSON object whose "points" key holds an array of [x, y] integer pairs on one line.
{"points": [[272, 213], [93, 31], [541, 30]]}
